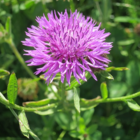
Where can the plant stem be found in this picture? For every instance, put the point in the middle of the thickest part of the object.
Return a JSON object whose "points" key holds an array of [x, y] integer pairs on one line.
{"points": [[4, 101], [19, 57], [62, 89], [118, 99], [29, 109], [55, 93], [14, 113], [14, 49], [84, 102]]}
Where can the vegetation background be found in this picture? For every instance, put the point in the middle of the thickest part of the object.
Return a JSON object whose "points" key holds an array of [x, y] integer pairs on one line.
{"points": [[108, 121]]}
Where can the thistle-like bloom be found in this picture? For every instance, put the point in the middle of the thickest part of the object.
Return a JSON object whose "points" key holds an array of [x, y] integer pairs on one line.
{"points": [[69, 45]]}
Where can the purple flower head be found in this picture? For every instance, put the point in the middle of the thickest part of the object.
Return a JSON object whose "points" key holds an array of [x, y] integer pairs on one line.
{"points": [[69, 45]]}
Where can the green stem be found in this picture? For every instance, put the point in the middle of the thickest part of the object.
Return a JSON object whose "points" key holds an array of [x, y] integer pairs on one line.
{"points": [[56, 94], [118, 99], [4, 101], [61, 89], [14, 113], [21, 60], [84, 102]]}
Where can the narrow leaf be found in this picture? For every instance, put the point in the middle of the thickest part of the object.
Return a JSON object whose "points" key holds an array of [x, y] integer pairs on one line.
{"points": [[76, 134], [8, 26], [104, 90], [74, 82], [45, 112], [133, 105], [72, 6], [126, 42], [39, 103], [76, 100], [106, 10], [126, 19], [116, 68], [91, 129], [107, 75], [23, 123], [87, 115], [121, 68], [28, 4], [3, 73], [12, 88], [88, 104], [2, 28], [58, 76]]}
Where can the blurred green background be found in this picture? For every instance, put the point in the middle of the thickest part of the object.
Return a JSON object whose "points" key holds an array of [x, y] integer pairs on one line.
{"points": [[110, 121]]}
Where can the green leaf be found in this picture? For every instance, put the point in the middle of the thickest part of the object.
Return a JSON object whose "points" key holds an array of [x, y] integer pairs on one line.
{"points": [[36, 9], [117, 89], [2, 28], [74, 82], [116, 68], [87, 104], [8, 26], [6, 60], [45, 112], [106, 10], [24, 126], [72, 5], [104, 90], [23, 123], [3, 73], [87, 115], [76, 134], [66, 120], [2, 34], [133, 74], [12, 88], [80, 129], [81, 124], [123, 5], [97, 135], [76, 100], [133, 105], [58, 76], [26, 5], [106, 75], [39, 103], [126, 42], [91, 129], [126, 19], [107, 121]]}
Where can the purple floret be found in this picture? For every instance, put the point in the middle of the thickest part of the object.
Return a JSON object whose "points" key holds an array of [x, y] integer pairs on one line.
{"points": [[69, 45]]}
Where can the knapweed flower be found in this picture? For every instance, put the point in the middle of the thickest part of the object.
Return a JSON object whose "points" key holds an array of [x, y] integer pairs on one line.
{"points": [[69, 45]]}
